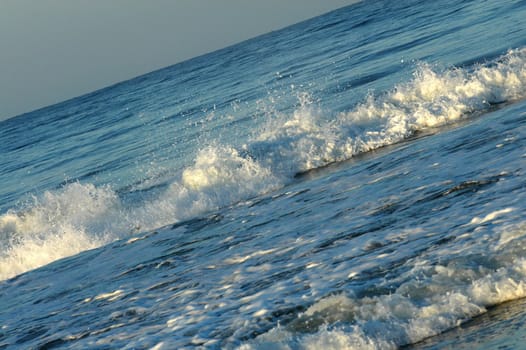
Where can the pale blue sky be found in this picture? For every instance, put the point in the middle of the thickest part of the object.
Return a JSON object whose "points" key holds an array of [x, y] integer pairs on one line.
{"points": [[53, 50]]}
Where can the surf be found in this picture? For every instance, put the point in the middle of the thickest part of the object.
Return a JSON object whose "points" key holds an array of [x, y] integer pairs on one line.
{"points": [[81, 216]]}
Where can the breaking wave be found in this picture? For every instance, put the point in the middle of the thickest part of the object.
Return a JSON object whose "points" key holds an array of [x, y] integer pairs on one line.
{"points": [[82, 216], [430, 299]]}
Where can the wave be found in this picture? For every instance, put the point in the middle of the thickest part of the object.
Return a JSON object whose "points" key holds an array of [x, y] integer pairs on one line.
{"points": [[56, 225], [431, 299], [82, 216], [431, 99]]}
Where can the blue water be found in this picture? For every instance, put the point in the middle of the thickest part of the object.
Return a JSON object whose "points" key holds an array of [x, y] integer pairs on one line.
{"points": [[353, 181]]}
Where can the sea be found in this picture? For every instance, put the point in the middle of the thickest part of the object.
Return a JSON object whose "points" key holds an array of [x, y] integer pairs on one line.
{"points": [[353, 181]]}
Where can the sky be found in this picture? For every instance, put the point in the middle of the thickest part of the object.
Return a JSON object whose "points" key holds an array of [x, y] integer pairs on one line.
{"points": [[54, 50]]}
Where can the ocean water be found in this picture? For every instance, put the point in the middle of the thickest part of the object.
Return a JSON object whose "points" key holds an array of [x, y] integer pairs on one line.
{"points": [[354, 181]]}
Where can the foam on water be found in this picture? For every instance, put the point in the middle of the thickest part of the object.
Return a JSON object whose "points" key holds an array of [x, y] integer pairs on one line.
{"points": [[55, 225], [432, 298], [306, 140], [83, 216]]}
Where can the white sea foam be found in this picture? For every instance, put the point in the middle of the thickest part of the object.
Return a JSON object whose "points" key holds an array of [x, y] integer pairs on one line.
{"points": [[58, 224], [82, 216], [433, 98], [491, 216], [433, 298]]}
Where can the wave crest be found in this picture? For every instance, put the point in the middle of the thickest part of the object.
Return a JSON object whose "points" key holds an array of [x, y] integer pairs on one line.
{"points": [[307, 140], [83, 216]]}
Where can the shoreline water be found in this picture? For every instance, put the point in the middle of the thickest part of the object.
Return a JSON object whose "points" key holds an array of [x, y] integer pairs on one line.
{"points": [[177, 199]]}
